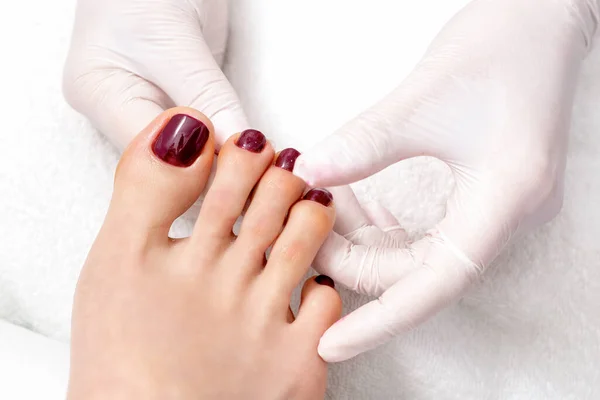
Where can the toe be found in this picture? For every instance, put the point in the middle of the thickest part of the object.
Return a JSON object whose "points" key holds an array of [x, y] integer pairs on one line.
{"points": [[276, 192], [242, 161], [163, 171], [320, 306], [309, 222]]}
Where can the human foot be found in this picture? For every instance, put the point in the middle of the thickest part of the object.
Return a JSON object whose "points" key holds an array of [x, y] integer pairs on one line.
{"points": [[203, 317]]}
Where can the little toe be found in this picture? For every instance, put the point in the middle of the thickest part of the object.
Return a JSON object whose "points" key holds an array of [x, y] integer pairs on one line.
{"points": [[320, 306], [162, 172]]}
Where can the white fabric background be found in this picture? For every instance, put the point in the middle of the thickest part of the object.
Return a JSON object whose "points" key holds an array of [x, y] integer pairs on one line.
{"points": [[529, 330]]}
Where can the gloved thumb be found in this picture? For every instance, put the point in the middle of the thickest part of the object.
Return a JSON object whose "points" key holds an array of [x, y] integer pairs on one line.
{"points": [[192, 76], [118, 102], [384, 134]]}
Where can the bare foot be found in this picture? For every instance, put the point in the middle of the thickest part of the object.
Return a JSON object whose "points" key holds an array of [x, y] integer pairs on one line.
{"points": [[203, 317]]}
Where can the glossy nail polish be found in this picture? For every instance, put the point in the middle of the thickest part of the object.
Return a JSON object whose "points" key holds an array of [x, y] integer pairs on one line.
{"points": [[181, 141], [287, 159], [320, 196], [252, 140], [325, 280]]}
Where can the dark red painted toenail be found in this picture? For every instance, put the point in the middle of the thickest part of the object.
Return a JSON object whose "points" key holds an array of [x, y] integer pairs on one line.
{"points": [[181, 141], [252, 140], [325, 280], [287, 159], [320, 196]]}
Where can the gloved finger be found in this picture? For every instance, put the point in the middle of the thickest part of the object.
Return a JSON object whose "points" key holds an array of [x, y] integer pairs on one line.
{"points": [[354, 224], [364, 269], [437, 270], [349, 214], [440, 278], [386, 133], [119, 103], [193, 78], [385, 220], [473, 229], [381, 216], [214, 20]]}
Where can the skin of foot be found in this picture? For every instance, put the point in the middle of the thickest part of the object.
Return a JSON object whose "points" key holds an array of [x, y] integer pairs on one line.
{"points": [[204, 317]]}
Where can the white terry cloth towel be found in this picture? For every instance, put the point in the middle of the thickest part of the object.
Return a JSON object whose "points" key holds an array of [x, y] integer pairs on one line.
{"points": [[32, 366], [529, 330]]}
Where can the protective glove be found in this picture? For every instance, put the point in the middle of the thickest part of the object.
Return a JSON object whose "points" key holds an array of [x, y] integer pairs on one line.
{"points": [[491, 98], [131, 59]]}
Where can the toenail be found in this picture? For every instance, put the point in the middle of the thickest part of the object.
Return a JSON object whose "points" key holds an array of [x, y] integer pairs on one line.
{"points": [[325, 280], [320, 196], [252, 140], [287, 159], [181, 140]]}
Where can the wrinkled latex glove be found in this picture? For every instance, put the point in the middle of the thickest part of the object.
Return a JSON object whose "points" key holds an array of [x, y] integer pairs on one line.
{"points": [[491, 98], [131, 59]]}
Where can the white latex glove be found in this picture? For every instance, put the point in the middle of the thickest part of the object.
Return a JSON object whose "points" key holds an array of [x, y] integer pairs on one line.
{"points": [[492, 98], [131, 59]]}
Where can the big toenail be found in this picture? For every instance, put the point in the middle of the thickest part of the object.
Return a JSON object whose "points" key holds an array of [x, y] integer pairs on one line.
{"points": [[287, 158], [325, 280], [252, 140], [181, 141], [320, 196]]}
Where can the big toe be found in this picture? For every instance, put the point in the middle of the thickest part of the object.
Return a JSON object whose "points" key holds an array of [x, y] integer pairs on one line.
{"points": [[162, 172]]}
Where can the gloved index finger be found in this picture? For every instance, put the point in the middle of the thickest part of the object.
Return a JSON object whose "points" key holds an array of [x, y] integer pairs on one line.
{"points": [[365, 269], [410, 301]]}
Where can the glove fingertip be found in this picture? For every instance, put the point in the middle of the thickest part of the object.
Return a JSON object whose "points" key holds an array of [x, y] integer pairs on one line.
{"points": [[228, 123], [329, 352], [320, 171], [304, 173]]}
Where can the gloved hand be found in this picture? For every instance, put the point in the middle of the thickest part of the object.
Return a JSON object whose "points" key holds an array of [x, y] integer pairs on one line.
{"points": [[131, 59], [492, 98]]}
